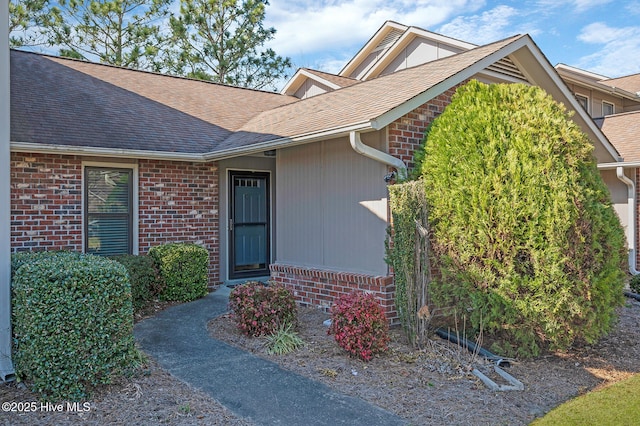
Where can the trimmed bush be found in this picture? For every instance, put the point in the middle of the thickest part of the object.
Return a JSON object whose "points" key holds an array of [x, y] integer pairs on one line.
{"points": [[145, 279], [359, 325], [523, 232], [260, 310], [72, 323], [20, 258], [183, 268]]}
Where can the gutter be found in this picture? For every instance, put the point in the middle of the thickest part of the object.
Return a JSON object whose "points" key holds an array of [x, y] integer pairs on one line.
{"points": [[7, 371], [282, 142], [631, 227], [379, 156]]}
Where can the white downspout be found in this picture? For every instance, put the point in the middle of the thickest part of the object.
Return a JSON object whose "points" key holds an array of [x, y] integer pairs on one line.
{"points": [[6, 365], [374, 154], [631, 226]]}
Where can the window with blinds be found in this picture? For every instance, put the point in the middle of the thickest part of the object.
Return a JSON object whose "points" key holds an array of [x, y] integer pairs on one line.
{"points": [[108, 210]]}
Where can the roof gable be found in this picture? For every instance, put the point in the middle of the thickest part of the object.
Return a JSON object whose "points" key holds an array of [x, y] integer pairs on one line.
{"points": [[389, 42], [365, 104], [325, 80], [376, 103], [413, 47]]}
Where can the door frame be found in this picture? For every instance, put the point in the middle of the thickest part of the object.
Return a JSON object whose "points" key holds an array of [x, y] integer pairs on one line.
{"points": [[231, 173]]}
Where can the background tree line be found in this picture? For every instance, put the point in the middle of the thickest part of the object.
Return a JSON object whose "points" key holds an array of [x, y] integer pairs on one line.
{"points": [[216, 40]]}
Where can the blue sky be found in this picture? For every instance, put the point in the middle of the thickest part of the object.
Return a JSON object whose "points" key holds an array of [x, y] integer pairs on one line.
{"points": [[601, 36]]}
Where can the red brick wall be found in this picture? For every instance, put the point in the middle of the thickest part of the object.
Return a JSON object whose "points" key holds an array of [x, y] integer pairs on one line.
{"points": [[178, 202], [319, 288], [407, 132], [46, 202]]}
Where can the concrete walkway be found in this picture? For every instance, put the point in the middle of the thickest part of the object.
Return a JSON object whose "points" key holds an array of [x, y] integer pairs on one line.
{"points": [[249, 386]]}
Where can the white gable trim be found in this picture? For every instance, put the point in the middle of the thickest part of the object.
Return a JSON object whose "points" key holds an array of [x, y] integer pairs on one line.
{"points": [[300, 77], [370, 46], [411, 34], [401, 110]]}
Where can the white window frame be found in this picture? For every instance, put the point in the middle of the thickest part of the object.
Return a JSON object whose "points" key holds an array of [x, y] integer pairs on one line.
{"points": [[135, 247], [613, 107], [579, 96]]}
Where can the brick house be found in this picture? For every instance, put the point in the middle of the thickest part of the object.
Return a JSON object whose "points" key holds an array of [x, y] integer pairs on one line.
{"points": [[288, 186]]}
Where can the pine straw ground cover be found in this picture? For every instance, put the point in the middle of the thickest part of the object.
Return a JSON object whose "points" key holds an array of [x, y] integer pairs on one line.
{"points": [[435, 386], [431, 386]]}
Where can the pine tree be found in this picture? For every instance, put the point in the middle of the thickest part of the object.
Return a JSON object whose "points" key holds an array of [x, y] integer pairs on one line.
{"points": [[223, 41], [126, 33]]}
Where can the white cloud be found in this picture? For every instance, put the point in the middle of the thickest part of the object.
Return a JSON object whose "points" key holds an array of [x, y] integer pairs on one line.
{"points": [[338, 28], [619, 53], [633, 8], [578, 5], [489, 26], [582, 5]]}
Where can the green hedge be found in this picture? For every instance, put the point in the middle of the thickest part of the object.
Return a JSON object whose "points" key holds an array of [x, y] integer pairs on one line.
{"points": [[524, 234], [20, 258], [72, 323], [146, 282], [184, 270]]}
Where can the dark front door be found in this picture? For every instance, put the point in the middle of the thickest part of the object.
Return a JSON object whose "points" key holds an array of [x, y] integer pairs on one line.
{"points": [[249, 224]]}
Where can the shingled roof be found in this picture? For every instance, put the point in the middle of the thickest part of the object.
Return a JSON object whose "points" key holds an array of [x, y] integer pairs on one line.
{"points": [[622, 130], [75, 105], [338, 80], [358, 104], [630, 83], [58, 101]]}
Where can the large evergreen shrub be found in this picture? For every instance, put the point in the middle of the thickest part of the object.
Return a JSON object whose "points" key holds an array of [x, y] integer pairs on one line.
{"points": [[524, 234], [72, 323]]}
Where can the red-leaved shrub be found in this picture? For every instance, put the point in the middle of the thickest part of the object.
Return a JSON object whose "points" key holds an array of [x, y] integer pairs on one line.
{"points": [[359, 325], [259, 310]]}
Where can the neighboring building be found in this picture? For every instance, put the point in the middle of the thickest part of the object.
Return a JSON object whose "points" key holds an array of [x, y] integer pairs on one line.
{"points": [[614, 103], [289, 185]]}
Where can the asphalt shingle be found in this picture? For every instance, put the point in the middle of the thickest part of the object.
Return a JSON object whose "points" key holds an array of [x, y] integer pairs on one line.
{"points": [[622, 130]]}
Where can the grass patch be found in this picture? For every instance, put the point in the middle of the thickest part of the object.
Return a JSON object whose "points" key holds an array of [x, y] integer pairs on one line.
{"points": [[615, 405]]}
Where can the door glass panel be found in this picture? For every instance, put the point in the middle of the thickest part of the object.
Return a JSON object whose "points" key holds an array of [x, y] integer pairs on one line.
{"points": [[250, 247], [250, 201]]}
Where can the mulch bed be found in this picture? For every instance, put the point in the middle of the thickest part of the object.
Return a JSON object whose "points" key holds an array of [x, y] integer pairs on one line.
{"points": [[435, 385], [429, 386]]}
